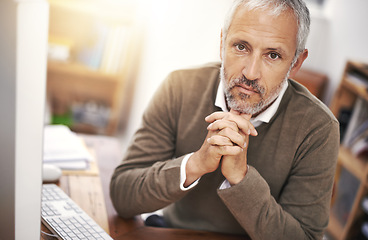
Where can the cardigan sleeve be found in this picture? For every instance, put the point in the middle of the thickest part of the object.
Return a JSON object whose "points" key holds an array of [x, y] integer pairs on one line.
{"points": [[149, 176], [302, 210]]}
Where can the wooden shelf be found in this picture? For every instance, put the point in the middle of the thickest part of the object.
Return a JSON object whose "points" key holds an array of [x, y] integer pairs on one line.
{"points": [[356, 166], [68, 84], [345, 100], [79, 69], [99, 41], [335, 228], [358, 90]]}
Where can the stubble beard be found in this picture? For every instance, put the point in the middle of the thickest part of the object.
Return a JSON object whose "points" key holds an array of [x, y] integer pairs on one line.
{"points": [[240, 102]]}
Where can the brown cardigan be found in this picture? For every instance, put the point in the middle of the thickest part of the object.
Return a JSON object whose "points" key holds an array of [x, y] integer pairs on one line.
{"points": [[286, 192]]}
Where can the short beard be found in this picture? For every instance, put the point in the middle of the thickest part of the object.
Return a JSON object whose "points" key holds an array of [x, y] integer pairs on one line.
{"points": [[242, 105]]}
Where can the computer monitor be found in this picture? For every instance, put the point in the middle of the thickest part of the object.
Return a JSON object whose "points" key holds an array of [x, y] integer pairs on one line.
{"points": [[23, 52]]}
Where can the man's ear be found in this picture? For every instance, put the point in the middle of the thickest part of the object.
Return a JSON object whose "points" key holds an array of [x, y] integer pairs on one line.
{"points": [[298, 63], [221, 45]]}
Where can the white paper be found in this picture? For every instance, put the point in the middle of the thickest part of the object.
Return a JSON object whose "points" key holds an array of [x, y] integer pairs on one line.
{"points": [[64, 148]]}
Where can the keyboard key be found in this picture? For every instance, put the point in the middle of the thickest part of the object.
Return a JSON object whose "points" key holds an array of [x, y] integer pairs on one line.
{"points": [[66, 218]]}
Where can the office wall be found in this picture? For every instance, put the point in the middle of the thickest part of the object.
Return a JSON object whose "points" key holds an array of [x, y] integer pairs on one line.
{"points": [[179, 34], [183, 33], [348, 36], [338, 34]]}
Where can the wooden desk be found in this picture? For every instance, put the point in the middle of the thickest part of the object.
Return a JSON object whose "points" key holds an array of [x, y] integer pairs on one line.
{"points": [[108, 153]]}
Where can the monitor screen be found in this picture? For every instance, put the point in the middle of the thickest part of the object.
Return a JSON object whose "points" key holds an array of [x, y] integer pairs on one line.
{"points": [[23, 48]]}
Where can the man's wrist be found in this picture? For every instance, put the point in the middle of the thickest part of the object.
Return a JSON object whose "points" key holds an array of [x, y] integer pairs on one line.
{"points": [[193, 171], [183, 174], [235, 181]]}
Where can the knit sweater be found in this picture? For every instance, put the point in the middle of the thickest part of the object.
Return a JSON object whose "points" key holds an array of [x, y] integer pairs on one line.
{"points": [[286, 192]]}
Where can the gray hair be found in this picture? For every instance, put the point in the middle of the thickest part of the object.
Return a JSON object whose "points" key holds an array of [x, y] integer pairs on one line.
{"points": [[275, 8]]}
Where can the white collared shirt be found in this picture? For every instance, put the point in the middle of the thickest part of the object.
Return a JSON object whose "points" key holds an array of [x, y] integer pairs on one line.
{"points": [[220, 102]]}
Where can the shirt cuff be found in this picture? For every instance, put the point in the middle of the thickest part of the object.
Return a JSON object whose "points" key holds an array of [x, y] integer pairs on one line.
{"points": [[183, 174], [225, 184]]}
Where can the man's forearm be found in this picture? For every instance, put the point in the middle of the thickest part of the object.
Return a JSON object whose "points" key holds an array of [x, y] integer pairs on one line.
{"points": [[137, 190], [259, 214]]}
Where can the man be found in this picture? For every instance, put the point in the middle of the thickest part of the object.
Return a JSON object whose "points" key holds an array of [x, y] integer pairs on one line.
{"points": [[253, 153]]}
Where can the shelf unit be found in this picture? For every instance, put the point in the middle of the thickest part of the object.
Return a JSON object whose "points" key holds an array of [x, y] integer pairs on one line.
{"points": [[348, 164], [92, 70]]}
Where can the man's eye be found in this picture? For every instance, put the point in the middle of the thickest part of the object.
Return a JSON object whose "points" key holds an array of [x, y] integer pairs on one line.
{"points": [[274, 55], [240, 47]]}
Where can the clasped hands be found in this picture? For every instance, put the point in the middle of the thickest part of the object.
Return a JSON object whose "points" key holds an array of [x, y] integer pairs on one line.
{"points": [[226, 144]]}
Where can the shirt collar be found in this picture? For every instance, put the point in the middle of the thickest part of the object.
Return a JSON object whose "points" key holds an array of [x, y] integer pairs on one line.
{"points": [[263, 117]]}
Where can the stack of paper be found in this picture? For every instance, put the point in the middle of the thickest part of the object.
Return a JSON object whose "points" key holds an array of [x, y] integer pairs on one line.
{"points": [[65, 149]]}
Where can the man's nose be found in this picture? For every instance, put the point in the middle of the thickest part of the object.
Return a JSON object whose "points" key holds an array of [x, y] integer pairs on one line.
{"points": [[252, 68]]}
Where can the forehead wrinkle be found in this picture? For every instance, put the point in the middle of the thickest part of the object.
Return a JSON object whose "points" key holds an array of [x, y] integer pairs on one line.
{"points": [[268, 43], [261, 25]]}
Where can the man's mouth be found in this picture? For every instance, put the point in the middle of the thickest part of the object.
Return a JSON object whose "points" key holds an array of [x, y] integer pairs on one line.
{"points": [[247, 89]]}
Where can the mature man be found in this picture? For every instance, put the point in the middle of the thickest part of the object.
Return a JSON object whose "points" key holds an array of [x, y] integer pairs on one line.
{"points": [[264, 165]]}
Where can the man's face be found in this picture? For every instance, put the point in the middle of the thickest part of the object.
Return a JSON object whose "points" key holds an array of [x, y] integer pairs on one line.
{"points": [[256, 58]]}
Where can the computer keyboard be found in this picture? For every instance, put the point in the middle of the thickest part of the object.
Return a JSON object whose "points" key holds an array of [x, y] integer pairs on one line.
{"points": [[65, 218]]}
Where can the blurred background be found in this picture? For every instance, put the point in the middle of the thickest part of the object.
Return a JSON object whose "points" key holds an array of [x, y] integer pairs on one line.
{"points": [[107, 58]]}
